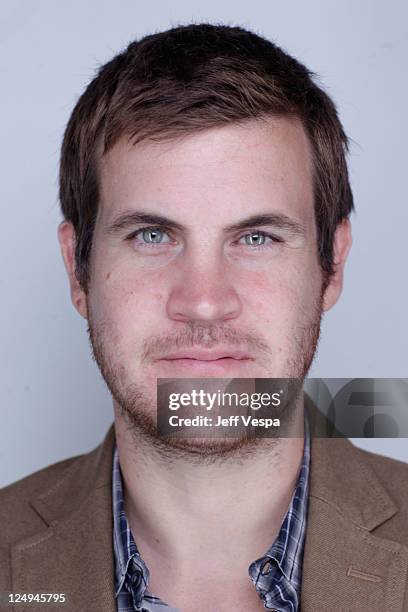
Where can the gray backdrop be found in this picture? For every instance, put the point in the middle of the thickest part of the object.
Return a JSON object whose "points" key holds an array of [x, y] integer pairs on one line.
{"points": [[53, 401]]}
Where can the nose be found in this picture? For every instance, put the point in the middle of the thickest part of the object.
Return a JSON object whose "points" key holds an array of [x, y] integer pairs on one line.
{"points": [[203, 294]]}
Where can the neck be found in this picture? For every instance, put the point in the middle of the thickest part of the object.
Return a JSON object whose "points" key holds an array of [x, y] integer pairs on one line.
{"points": [[230, 509]]}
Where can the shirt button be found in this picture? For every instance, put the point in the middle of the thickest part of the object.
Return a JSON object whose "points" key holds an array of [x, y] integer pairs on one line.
{"points": [[266, 568]]}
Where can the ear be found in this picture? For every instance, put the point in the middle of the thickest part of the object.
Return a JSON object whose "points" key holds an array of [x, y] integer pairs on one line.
{"points": [[66, 237], [341, 247]]}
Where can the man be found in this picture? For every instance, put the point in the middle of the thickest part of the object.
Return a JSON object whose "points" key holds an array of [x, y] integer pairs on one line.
{"points": [[206, 206]]}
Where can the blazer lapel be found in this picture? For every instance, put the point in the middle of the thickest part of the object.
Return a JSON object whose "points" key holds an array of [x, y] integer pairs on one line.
{"points": [[73, 555], [346, 566]]}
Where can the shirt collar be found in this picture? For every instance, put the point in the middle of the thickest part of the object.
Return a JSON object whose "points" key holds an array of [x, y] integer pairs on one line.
{"points": [[281, 563], [130, 567], [277, 575]]}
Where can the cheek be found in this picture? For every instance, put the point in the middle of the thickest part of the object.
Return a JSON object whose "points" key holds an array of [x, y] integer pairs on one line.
{"points": [[280, 297], [123, 304]]}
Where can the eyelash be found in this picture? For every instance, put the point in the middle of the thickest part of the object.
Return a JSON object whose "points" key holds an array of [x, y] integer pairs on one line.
{"points": [[274, 239]]}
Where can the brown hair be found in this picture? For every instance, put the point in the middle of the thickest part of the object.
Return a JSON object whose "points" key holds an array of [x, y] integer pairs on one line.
{"points": [[191, 78]]}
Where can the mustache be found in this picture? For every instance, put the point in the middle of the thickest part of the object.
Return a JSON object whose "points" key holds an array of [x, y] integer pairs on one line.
{"points": [[205, 336]]}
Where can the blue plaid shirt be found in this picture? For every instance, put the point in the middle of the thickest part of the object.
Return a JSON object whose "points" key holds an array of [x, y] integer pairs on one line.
{"points": [[276, 576]]}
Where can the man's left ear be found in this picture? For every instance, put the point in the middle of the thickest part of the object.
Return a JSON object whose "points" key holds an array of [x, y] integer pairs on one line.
{"points": [[341, 246]]}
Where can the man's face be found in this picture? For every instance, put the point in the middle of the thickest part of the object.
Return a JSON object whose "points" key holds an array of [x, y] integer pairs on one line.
{"points": [[223, 279]]}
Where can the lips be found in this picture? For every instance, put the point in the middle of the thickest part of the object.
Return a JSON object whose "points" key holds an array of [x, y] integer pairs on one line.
{"points": [[217, 362], [208, 355]]}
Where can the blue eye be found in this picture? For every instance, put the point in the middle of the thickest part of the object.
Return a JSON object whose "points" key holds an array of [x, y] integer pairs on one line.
{"points": [[257, 239], [150, 236], [254, 239]]}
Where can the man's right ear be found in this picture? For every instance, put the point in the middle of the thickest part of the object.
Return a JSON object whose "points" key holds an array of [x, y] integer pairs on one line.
{"points": [[66, 237]]}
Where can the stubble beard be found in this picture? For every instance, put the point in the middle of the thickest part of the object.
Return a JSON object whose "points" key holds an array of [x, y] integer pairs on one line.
{"points": [[135, 403]]}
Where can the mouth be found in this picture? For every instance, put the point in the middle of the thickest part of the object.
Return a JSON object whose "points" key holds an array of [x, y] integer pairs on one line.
{"points": [[201, 360], [202, 354]]}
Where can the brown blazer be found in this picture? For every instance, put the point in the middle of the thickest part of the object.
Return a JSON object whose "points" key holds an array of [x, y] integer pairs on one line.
{"points": [[56, 532]]}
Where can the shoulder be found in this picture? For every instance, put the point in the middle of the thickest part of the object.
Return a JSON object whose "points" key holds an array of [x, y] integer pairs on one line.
{"points": [[31, 504], [392, 473], [17, 517], [51, 496], [29, 485]]}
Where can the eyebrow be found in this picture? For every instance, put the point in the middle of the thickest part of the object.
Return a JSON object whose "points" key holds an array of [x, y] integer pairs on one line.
{"points": [[127, 220], [278, 220]]}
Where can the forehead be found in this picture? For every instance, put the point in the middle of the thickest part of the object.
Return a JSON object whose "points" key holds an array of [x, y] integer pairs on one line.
{"points": [[233, 169]]}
